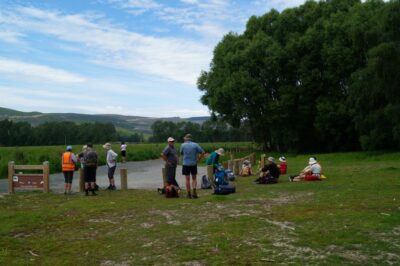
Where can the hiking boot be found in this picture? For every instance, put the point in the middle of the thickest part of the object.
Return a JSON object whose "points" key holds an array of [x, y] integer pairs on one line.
{"points": [[113, 187], [93, 193], [194, 194], [109, 187], [188, 195]]}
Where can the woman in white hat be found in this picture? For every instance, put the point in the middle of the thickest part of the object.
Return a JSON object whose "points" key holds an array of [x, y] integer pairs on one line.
{"points": [[111, 160], [312, 172]]}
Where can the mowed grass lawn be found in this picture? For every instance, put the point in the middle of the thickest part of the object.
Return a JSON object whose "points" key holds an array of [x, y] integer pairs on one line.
{"points": [[352, 218]]}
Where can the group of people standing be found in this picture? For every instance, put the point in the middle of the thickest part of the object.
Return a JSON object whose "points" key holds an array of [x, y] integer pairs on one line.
{"points": [[192, 153], [88, 159]]}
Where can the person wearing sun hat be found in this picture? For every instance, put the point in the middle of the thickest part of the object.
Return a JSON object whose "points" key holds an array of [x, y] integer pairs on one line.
{"points": [[312, 172], [269, 173], [192, 153], [283, 165], [213, 159], [170, 156], [68, 167], [111, 160]]}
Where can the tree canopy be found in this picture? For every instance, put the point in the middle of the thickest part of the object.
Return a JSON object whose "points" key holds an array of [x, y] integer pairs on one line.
{"points": [[323, 76]]}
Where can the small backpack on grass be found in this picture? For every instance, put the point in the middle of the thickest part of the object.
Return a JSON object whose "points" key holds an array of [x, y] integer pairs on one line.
{"points": [[171, 192], [205, 183]]}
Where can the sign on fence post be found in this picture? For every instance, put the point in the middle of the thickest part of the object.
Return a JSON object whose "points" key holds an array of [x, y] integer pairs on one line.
{"points": [[28, 181]]}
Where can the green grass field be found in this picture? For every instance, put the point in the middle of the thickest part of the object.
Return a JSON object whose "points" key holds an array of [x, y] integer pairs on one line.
{"points": [[136, 152], [351, 218]]}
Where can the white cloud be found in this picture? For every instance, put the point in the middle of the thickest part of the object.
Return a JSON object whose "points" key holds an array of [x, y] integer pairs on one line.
{"points": [[171, 58], [10, 36], [38, 72]]}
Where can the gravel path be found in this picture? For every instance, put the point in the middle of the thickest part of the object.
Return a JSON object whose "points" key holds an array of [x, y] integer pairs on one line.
{"points": [[143, 175]]}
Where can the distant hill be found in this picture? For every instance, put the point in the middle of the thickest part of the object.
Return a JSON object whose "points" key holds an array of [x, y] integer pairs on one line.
{"points": [[127, 123]]}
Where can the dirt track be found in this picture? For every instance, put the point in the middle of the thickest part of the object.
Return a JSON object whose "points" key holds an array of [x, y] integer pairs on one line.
{"points": [[144, 175]]}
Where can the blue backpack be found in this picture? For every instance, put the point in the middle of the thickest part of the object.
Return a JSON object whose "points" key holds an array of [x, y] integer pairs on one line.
{"points": [[219, 176]]}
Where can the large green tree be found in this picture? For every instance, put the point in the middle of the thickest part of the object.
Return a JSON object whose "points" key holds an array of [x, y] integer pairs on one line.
{"points": [[301, 79]]}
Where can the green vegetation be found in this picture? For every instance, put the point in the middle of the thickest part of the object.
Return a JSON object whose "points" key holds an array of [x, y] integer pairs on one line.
{"points": [[136, 152], [352, 218], [324, 76]]}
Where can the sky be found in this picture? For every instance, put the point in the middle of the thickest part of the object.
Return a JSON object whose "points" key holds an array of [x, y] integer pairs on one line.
{"points": [[128, 57]]}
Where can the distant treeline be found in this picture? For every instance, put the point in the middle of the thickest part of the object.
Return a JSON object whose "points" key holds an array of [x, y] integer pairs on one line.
{"points": [[209, 131], [55, 133]]}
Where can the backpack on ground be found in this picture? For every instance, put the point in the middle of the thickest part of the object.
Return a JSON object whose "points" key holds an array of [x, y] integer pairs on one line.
{"points": [[220, 176], [230, 175], [171, 192], [90, 158], [205, 183], [225, 189]]}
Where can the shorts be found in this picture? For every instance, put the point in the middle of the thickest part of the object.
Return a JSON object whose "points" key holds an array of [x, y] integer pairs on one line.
{"points": [[90, 174], [68, 175], [189, 169], [123, 153], [111, 171]]}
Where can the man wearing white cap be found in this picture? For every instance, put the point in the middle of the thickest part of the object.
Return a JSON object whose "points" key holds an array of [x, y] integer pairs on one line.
{"points": [[170, 156]]}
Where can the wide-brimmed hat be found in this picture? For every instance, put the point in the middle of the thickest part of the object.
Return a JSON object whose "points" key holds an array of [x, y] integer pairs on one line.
{"points": [[69, 148], [107, 146], [271, 159], [220, 151], [312, 161], [170, 139], [187, 137], [282, 159]]}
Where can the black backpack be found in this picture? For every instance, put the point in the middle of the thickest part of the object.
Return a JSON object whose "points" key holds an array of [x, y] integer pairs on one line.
{"points": [[205, 183], [171, 192], [91, 158]]}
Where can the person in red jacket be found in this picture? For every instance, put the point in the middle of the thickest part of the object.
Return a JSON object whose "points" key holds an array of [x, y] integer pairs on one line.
{"points": [[283, 165], [68, 161]]}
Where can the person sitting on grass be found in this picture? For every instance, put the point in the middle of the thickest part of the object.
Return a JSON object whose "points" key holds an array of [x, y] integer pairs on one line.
{"points": [[312, 172], [283, 165], [246, 168], [269, 173]]}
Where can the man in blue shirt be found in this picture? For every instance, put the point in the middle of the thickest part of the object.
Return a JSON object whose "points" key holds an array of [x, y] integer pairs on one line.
{"points": [[192, 153]]}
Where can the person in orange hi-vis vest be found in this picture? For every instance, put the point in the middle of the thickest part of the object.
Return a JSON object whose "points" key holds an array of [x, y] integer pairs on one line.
{"points": [[68, 167]]}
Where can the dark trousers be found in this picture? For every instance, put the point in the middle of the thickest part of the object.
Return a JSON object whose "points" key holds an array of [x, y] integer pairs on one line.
{"points": [[170, 172]]}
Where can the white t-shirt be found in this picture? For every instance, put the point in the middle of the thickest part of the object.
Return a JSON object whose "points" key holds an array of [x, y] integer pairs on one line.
{"points": [[111, 158], [315, 169], [123, 147]]}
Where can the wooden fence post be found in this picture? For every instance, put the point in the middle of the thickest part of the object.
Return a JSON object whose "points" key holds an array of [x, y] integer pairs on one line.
{"points": [[81, 180], [124, 178], [46, 173], [262, 160], [236, 166], [10, 177], [253, 158]]}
